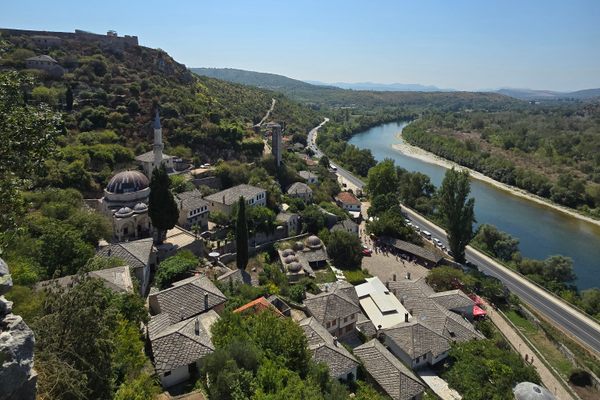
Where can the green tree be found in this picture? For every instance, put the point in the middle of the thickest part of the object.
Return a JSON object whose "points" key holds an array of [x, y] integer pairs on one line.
{"points": [[499, 243], [241, 235], [175, 268], [382, 178], [162, 207], [449, 278], [74, 343], [28, 135], [69, 99], [313, 219], [62, 251], [345, 250], [142, 387], [487, 370], [457, 211]]}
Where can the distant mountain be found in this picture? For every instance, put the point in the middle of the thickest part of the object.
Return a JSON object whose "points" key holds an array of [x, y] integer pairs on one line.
{"points": [[531, 94], [260, 79], [318, 94], [384, 87]]}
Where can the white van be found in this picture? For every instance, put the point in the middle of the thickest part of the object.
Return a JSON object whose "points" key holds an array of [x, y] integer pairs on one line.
{"points": [[427, 234]]}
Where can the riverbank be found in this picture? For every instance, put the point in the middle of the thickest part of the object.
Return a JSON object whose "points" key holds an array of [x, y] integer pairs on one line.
{"points": [[428, 157]]}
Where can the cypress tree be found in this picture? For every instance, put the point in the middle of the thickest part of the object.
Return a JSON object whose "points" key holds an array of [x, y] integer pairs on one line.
{"points": [[241, 235], [457, 211], [69, 99], [162, 207]]}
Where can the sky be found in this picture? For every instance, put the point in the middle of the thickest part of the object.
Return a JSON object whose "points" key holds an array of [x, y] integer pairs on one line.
{"points": [[465, 45]]}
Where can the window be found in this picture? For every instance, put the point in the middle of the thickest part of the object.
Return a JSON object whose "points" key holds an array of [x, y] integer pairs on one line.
{"points": [[345, 319], [167, 373]]}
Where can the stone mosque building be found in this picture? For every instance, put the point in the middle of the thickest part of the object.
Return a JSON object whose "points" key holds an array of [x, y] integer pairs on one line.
{"points": [[127, 194]]}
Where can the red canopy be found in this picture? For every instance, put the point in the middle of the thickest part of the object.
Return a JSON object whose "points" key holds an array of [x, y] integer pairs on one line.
{"points": [[478, 311], [476, 299]]}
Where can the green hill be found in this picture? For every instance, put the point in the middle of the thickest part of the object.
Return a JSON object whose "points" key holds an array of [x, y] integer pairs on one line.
{"points": [[330, 96], [115, 91]]}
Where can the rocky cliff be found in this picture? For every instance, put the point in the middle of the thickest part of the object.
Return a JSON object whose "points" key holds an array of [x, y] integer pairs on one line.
{"points": [[17, 376]]}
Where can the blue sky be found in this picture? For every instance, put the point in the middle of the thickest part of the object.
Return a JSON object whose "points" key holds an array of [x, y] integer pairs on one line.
{"points": [[451, 44]]}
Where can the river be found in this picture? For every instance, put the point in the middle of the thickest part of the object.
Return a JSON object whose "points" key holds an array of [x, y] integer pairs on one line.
{"points": [[542, 231]]}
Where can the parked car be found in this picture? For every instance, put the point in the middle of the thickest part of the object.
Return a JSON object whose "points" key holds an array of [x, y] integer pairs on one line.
{"points": [[367, 252], [437, 242]]}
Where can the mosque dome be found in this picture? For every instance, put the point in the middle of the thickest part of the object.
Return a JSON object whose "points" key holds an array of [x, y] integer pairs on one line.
{"points": [[287, 252], [313, 242], [127, 181], [531, 391], [124, 212], [290, 259], [140, 208], [294, 267], [298, 246]]}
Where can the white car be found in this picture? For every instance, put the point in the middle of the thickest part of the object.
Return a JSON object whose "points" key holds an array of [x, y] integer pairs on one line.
{"points": [[437, 242]]}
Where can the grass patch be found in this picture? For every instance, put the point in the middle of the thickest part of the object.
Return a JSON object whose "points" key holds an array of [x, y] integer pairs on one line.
{"points": [[541, 342], [357, 276], [325, 276]]}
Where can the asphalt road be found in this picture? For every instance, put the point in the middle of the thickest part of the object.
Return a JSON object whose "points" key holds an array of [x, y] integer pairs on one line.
{"points": [[582, 328]]}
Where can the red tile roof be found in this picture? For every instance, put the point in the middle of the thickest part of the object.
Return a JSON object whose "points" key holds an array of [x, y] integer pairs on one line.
{"points": [[258, 305], [347, 198]]}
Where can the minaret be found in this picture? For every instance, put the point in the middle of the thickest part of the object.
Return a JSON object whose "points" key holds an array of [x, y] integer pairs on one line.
{"points": [[158, 143]]}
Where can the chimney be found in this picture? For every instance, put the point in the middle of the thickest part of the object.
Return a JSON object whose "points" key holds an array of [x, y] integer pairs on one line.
{"points": [[405, 317], [197, 327], [408, 275], [223, 199], [181, 314], [387, 285], [335, 341], [206, 301], [394, 277]]}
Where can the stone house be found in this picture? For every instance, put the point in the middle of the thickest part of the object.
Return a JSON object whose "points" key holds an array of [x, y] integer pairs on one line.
{"points": [[348, 201], [310, 177], [301, 191], [140, 255], [193, 210], [335, 310], [224, 200]]}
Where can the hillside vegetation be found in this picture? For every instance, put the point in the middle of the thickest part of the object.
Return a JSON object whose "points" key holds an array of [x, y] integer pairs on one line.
{"points": [[552, 151], [107, 98]]}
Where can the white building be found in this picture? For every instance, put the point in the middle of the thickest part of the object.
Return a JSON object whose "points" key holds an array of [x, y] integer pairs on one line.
{"points": [[380, 305], [193, 210]]}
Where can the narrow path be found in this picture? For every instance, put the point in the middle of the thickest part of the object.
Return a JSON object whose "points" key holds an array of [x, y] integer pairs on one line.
{"points": [[262, 121], [548, 379]]}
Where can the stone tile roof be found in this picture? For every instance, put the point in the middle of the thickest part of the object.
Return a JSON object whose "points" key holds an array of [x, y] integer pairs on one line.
{"points": [[415, 297], [236, 276], [136, 253], [232, 195], [117, 279], [411, 248], [324, 349], [191, 200], [314, 255], [307, 175], [398, 381], [182, 343], [452, 299], [299, 188], [149, 157], [346, 225], [344, 287], [365, 325], [417, 339], [347, 198], [186, 298], [329, 306]]}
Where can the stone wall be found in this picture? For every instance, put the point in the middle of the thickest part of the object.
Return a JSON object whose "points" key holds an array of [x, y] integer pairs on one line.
{"points": [[17, 377]]}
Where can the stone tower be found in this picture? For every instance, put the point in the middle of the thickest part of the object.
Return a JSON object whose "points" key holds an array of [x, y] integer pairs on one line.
{"points": [[276, 143], [158, 143]]}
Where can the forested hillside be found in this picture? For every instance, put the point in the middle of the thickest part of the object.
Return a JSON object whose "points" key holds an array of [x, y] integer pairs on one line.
{"points": [[551, 150], [107, 97], [329, 96]]}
